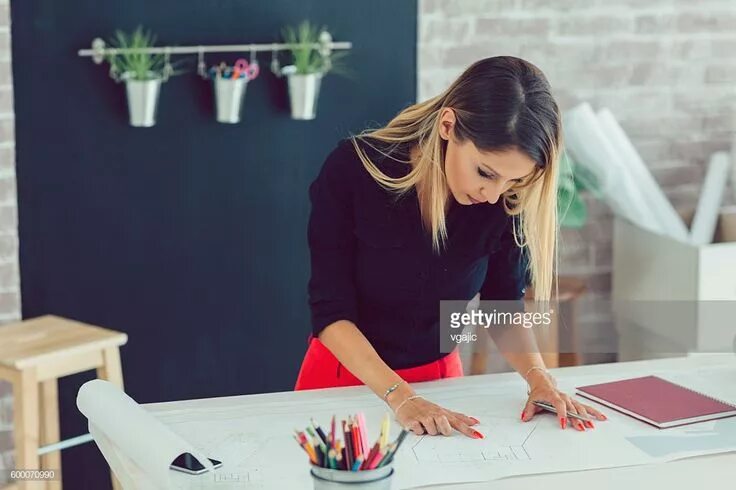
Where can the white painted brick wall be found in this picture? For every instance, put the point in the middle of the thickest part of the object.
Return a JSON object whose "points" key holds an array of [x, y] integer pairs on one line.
{"points": [[666, 68], [9, 274]]}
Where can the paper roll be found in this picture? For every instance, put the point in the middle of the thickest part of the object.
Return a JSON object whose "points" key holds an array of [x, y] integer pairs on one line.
{"points": [[664, 213], [711, 198], [590, 147], [733, 168], [130, 437]]}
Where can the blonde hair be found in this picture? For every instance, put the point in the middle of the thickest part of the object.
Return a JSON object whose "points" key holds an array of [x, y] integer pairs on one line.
{"points": [[518, 100]]}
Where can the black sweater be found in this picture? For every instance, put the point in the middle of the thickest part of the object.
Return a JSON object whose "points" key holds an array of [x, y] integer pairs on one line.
{"points": [[372, 261]]}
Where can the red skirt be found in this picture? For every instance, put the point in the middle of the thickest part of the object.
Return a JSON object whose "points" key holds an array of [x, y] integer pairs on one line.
{"points": [[321, 369]]}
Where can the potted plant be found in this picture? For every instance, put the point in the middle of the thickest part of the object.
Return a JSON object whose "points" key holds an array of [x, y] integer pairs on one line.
{"points": [[142, 73], [573, 179], [309, 64]]}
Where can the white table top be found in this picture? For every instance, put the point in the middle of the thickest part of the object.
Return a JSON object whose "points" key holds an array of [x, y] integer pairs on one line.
{"points": [[687, 473]]}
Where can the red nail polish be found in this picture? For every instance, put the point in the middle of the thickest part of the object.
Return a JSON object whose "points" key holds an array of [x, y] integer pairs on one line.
{"points": [[477, 434], [522, 415], [580, 426], [589, 424], [563, 423]]}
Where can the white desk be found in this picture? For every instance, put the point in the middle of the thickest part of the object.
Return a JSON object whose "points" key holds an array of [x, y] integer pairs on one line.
{"points": [[688, 473]]}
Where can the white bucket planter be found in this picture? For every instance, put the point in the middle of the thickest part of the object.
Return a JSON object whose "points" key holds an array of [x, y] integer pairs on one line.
{"points": [[229, 96], [142, 101], [303, 93]]}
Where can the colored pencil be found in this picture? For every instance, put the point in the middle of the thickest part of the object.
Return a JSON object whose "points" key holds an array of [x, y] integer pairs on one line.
{"points": [[376, 447], [311, 455], [318, 450], [385, 428], [358, 462], [311, 432], [348, 444], [352, 452], [386, 455], [373, 463], [357, 445], [338, 460], [319, 431], [345, 460], [363, 432], [394, 447]]}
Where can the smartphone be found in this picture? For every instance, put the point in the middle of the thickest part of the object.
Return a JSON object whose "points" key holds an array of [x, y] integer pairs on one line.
{"points": [[188, 464]]}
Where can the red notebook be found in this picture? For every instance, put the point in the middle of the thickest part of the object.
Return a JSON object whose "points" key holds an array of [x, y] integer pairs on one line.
{"points": [[657, 401]]}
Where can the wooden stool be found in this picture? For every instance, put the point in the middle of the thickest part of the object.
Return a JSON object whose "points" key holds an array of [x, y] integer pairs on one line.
{"points": [[34, 354]]}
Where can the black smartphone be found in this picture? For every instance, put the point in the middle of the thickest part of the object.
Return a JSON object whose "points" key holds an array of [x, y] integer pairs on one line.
{"points": [[189, 464]]}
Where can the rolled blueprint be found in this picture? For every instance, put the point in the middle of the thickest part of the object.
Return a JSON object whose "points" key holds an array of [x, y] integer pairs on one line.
{"points": [[711, 198], [590, 147], [130, 438], [671, 222], [733, 168]]}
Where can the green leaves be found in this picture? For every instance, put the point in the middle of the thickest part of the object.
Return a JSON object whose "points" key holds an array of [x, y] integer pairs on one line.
{"points": [[572, 179], [306, 58], [135, 65], [138, 65]]}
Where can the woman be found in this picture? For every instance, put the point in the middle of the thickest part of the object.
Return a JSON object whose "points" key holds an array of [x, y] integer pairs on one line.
{"points": [[435, 206]]}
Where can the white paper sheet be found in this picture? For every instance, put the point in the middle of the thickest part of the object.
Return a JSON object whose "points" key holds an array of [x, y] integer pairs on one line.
{"points": [[254, 439], [130, 438]]}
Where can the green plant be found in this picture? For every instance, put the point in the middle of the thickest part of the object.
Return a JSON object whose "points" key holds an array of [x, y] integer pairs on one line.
{"points": [[138, 65], [573, 179], [306, 58]]}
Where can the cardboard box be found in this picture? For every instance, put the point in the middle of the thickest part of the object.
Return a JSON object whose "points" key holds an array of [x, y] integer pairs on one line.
{"points": [[671, 298]]}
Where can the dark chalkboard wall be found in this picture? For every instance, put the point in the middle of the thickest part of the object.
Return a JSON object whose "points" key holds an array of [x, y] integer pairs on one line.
{"points": [[189, 236]]}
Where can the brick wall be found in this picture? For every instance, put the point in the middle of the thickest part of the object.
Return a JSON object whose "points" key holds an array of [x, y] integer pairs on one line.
{"points": [[666, 68], [9, 276]]}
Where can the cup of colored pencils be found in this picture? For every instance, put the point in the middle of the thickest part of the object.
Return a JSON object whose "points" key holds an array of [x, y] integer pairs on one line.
{"points": [[343, 453]]}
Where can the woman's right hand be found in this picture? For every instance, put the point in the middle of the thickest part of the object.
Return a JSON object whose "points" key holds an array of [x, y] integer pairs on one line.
{"points": [[420, 415]]}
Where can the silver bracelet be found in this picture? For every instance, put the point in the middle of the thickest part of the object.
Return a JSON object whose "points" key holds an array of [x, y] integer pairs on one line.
{"points": [[391, 389], [413, 397]]}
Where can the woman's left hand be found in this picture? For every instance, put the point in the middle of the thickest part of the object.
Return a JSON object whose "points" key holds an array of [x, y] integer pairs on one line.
{"points": [[544, 389]]}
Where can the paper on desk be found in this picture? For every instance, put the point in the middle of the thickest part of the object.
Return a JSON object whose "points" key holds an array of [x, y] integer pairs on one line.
{"points": [[253, 436], [130, 437]]}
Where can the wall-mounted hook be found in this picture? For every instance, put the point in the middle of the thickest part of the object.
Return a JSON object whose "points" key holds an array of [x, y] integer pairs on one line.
{"points": [[113, 72], [201, 66], [168, 69], [325, 41], [253, 57], [275, 65], [98, 50]]}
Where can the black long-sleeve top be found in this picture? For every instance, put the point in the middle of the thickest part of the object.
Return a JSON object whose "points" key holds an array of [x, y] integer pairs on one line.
{"points": [[372, 261]]}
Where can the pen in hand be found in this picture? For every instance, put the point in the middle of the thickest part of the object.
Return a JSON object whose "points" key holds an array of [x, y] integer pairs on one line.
{"points": [[550, 408]]}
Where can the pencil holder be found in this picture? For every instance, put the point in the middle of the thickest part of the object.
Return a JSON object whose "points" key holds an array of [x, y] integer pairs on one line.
{"points": [[331, 479], [229, 95]]}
